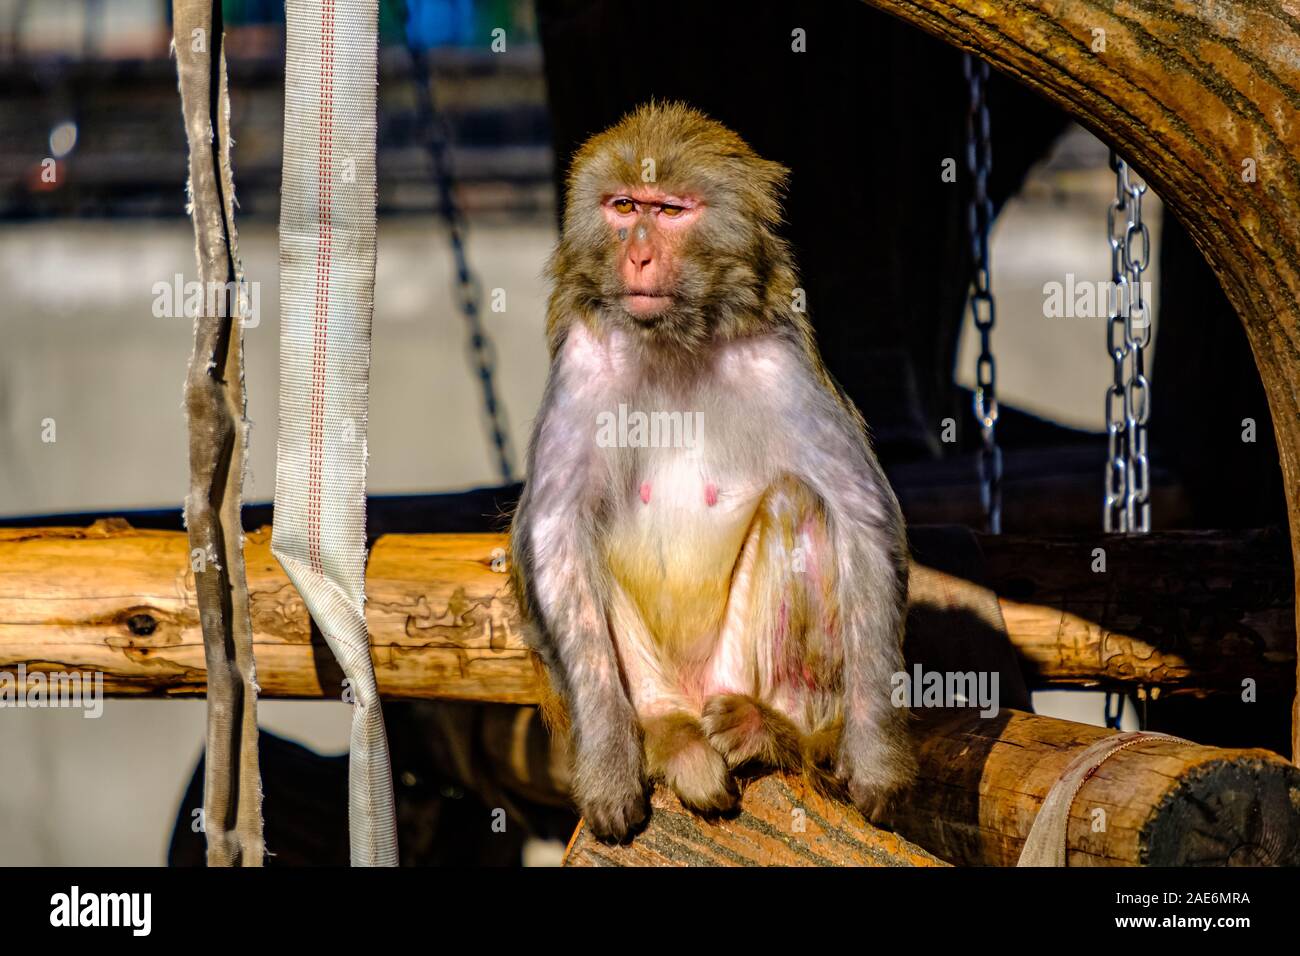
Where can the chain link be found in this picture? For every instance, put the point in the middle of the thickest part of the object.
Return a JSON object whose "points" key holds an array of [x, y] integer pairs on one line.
{"points": [[1127, 506], [979, 162], [482, 350]]}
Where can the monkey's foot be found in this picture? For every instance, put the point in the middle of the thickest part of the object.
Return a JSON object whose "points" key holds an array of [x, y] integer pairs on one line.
{"points": [[614, 817], [678, 753], [609, 787], [745, 731], [875, 769]]}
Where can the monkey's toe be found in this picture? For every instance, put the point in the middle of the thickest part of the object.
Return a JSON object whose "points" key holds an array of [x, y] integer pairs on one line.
{"points": [[745, 731], [700, 778], [874, 785], [615, 818], [680, 755], [872, 802]]}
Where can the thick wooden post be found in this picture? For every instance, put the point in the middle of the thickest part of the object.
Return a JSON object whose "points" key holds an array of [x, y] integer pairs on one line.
{"points": [[1203, 99]]}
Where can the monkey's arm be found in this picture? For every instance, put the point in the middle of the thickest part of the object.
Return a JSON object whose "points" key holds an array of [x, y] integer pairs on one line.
{"points": [[831, 454], [554, 539]]}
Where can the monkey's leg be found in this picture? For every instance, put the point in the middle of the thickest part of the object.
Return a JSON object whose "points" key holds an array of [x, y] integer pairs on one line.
{"points": [[773, 687], [745, 731], [676, 748]]}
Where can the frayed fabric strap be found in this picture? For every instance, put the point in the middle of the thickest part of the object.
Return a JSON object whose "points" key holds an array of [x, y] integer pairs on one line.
{"points": [[218, 439], [1046, 843], [327, 281]]}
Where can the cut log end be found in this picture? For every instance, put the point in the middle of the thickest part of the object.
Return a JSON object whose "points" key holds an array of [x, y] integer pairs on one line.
{"points": [[1242, 812], [782, 822], [1159, 802]]}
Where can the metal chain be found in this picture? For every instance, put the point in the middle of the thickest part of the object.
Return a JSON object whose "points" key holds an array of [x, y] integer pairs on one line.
{"points": [[481, 347], [979, 162], [1127, 506]]}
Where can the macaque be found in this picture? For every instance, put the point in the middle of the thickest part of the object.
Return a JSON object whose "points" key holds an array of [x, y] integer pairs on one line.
{"points": [[712, 563]]}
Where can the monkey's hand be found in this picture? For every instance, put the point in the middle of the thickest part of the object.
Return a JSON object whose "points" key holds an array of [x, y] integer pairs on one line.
{"points": [[609, 786], [875, 765]]}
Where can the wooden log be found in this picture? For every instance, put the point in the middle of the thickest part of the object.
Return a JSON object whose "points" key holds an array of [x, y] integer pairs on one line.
{"points": [[121, 601], [782, 822], [114, 599], [1157, 803], [1203, 100], [1193, 613]]}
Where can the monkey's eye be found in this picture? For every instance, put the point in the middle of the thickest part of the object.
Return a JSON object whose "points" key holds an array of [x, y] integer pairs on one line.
{"points": [[672, 212], [624, 206]]}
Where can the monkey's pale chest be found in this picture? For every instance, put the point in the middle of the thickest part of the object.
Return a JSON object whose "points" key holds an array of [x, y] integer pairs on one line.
{"points": [[677, 541]]}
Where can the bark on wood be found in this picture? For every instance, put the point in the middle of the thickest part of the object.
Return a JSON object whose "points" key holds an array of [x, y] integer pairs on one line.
{"points": [[1203, 99], [782, 822], [1157, 803], [1190, 612]]}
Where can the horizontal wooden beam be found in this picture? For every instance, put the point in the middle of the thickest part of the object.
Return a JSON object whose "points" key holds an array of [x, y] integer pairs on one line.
{"points": [[1186, 613], [109, 598], [1190, 613]]}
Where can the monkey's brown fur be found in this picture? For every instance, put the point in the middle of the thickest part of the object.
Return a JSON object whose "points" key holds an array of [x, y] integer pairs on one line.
{"points": [[735, 605]]}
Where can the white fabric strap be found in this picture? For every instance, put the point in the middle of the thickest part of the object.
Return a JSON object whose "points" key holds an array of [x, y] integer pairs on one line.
{"points": [[327, 282], [1046, 843]]}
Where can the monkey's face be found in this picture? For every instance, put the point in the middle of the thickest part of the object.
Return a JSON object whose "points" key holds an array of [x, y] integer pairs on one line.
{"points": [[651, 227], [669, 228]]}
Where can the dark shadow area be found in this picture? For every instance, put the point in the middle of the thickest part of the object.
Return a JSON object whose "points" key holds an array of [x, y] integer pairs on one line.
{"points": [[442, 818]]}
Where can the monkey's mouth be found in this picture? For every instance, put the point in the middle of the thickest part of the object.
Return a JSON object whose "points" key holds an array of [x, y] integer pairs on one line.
{"points": [[646, 302]]}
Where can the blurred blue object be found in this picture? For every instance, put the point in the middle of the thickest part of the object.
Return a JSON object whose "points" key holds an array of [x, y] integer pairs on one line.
{"points": [[433, 23]]}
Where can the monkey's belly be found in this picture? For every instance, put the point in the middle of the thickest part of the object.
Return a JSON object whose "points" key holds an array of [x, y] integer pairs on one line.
{"points": [[674, 553]]}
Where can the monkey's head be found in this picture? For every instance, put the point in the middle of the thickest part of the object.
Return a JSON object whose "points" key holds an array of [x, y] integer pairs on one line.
{"points": [[669, 229]]}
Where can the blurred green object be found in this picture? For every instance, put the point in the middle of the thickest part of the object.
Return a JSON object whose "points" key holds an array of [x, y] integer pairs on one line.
{"points": [[240, 12]]}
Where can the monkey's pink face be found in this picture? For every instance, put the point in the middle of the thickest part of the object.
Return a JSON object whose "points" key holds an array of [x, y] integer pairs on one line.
{"points": [[651, 226]]}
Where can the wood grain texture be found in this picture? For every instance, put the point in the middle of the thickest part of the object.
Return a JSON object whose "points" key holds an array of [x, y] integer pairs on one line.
{"points": [[118, 600], [1187, 91], [1161, 802], [782, 822], [1192, 613]]}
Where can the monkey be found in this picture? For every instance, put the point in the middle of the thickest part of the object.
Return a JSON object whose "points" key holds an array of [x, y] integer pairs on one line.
{"points": [[702, 608]]}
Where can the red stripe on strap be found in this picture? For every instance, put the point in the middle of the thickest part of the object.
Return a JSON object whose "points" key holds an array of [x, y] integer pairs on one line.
{"points": [[324, 255]]}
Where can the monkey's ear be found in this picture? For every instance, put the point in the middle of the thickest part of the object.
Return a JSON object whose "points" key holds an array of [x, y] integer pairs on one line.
{"points": [[779, 176], [769, 182]]}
